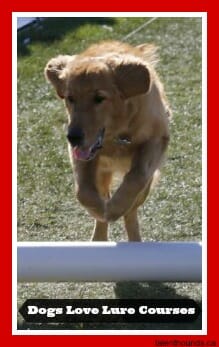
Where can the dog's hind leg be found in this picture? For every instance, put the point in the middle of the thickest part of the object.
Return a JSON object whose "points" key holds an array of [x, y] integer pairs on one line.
{"points": [[100, 231], [132, 226]]}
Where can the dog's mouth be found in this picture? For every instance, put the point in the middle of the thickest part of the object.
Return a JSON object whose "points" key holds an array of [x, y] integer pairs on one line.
{"points": [[79, 153]]}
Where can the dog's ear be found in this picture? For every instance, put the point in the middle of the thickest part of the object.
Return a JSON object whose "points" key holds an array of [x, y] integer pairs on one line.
{"points": [[131, 74], [54, 72]]}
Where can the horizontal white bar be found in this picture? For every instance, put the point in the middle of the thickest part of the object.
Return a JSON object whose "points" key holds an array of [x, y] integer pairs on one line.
{"points": [[109, 261]]}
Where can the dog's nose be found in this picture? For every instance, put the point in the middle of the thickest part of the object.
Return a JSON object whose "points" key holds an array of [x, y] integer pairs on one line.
{"points": [[75, 136]]}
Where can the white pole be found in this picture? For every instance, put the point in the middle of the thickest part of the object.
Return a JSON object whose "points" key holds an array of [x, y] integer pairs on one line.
{"points": [[109, 261]]}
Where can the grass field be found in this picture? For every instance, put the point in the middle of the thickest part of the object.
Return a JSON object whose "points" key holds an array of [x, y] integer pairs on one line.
{"points": [[47, 208]]}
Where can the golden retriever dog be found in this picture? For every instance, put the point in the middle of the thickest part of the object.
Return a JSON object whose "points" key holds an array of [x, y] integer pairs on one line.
{"points": [[117, 122]]}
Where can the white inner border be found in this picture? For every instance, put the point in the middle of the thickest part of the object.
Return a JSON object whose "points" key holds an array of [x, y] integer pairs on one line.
{"points": [[202, 15]]}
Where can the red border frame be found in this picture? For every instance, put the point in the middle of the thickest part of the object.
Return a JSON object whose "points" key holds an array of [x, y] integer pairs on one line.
{"points": [[6, 10]]}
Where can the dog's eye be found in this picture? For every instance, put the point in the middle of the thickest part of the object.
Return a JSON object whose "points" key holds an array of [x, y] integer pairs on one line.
{"points": [[98, 99], [71, 99]]}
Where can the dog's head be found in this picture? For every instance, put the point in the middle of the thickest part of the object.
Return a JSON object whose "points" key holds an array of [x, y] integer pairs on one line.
{"points": [[94, 90]]}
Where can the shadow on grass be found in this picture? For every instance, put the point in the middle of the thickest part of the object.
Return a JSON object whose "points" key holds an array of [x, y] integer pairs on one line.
{"points": [[49, 30], [146, 290], [128, 290], [154, 290]]}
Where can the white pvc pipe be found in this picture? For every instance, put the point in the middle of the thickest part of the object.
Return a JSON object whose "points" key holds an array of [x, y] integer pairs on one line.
{"points": [[109, 261]]}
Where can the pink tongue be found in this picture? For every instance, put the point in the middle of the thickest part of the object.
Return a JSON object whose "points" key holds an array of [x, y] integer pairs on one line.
{"points": [[79, 154]]}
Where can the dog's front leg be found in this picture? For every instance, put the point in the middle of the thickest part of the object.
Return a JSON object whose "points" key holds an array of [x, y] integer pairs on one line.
{"points": [[146, 160], [86, 190]]}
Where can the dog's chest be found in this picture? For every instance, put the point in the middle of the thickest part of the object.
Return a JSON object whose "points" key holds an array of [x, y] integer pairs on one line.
{"points": [[114, 164]]}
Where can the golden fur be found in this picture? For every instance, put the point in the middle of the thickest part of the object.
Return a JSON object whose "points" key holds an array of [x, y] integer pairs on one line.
{"points": [[112, 88]]}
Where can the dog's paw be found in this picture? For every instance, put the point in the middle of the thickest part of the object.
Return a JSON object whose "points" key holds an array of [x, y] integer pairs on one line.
{"points": [[112, 212]]}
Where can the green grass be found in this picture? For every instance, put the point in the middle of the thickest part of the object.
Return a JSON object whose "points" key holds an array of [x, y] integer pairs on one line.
{"points": [[47, 208]]}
